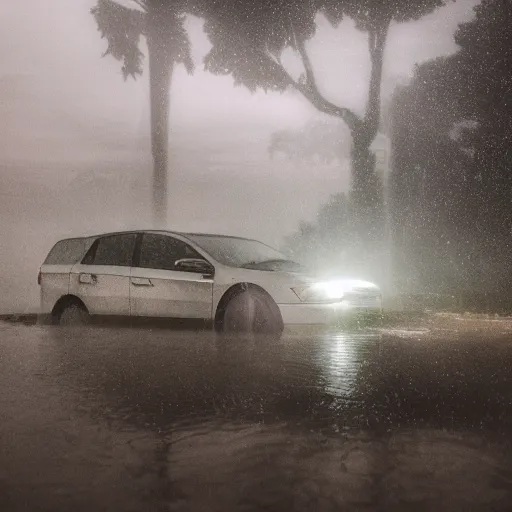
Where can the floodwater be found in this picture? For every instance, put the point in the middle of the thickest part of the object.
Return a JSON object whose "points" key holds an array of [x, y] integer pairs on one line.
{"points": [[125, 419]]}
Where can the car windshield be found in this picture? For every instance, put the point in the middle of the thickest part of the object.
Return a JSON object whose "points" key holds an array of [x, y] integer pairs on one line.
{"points": [[244, 253]]}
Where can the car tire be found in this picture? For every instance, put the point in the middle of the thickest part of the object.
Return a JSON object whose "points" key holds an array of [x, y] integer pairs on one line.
{"points": [[251, 311], [73, 315]]}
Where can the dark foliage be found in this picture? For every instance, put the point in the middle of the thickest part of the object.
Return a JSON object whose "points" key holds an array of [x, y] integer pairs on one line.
{"points": [[453, 160], [452, 168], [122, 28]]}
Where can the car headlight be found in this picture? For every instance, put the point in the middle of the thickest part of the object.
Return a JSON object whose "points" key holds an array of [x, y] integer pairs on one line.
{"points": [[321, 292]]}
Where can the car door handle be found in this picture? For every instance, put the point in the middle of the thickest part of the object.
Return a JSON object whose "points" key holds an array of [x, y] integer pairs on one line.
{"points": [[141, 281], [88, 278]]}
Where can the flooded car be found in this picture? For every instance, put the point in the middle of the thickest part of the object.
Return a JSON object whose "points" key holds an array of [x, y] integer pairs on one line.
{"points": [[238, 284]]}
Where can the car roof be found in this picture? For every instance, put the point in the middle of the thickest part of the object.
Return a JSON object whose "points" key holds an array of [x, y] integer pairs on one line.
{"points": [[164, 231]]}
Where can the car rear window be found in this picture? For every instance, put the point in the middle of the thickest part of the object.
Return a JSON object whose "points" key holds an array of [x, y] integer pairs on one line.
{"points": [[66, 252]]}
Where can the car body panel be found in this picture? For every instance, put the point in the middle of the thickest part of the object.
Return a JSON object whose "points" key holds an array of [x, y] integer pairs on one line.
{"points": [[277, 284], [168, 293], [54, 282], [107, 293]]}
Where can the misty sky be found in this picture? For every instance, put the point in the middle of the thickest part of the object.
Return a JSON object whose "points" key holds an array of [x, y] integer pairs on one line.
{"points": [[53, 78], [67, 111]]}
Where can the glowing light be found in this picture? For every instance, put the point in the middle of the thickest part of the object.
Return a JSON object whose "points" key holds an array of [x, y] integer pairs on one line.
{"points": [[332, 290]]}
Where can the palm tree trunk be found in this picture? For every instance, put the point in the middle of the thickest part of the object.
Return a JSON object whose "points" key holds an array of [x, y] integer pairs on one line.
{"points": [[160, 74]]}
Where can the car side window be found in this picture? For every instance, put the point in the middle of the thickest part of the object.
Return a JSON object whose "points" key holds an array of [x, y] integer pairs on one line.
{"points": [[113, 250], [66, 252], [162, 251]]}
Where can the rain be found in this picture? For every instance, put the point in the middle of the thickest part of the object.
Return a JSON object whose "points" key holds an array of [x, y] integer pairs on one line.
{"points": [[255, 254]]}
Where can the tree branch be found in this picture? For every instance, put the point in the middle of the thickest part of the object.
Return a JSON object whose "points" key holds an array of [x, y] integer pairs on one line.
{"points": [[315, 98], [311, 92], [282, 79]]}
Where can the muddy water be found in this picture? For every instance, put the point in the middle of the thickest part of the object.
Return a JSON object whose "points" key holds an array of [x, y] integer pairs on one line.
{"points": [[120, 419]]}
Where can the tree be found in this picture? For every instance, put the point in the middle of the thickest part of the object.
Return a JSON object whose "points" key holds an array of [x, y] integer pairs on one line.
{"points": [[484, 71], [430, 187], [324, 141], [161, 22], [248, 39], [452, 183]]}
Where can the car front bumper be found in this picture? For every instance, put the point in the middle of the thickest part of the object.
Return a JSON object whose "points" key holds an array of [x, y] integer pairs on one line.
{"points": [[325, 314]]}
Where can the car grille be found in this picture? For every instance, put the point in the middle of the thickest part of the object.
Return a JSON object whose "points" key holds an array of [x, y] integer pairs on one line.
{"points": [[363, 301]]}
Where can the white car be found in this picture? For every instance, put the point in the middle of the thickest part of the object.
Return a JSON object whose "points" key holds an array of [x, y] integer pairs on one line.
{"points": [[237, 283]]}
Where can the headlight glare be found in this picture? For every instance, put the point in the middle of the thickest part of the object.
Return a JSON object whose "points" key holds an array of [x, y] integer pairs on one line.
{"points": [[320, 292]]}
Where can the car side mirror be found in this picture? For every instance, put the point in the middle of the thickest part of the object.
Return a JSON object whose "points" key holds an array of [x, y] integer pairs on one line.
{"points": [[194, 265]]}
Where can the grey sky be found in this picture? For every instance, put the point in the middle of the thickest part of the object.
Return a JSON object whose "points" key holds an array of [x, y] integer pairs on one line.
{"points": [[67, 111], [54, 45]]}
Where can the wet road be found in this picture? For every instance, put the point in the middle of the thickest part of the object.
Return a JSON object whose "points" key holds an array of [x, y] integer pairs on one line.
{"points": [[123, 419]]}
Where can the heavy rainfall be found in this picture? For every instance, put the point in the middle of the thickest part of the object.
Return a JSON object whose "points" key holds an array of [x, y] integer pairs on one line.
{"points": [[256, 255]]}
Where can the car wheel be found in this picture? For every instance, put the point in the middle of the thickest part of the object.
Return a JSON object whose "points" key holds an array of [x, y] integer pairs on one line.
{"points": [[73, 315], [252, 312]]}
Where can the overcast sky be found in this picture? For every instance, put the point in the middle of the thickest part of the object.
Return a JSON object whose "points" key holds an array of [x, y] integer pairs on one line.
{"points": [[61, 104]]}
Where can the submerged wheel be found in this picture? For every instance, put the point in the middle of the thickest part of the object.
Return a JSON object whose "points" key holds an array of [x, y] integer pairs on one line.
{"points": [[251, 311], [74, 315]]}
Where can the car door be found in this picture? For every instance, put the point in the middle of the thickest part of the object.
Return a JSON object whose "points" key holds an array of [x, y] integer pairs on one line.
{"points": [[159, 289], [102, 279]]}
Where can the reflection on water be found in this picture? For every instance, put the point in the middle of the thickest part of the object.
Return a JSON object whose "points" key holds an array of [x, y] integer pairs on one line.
{"points": [[344, 357], [164, 378], [326, 381], [194, 421]]}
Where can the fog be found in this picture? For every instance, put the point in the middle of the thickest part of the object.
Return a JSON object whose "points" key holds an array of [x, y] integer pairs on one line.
{"points": [[74, 143]]}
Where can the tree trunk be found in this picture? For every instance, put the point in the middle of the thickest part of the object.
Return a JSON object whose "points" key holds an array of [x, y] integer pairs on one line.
{"points": [[160, 74], [366, 193], [366, 187]]}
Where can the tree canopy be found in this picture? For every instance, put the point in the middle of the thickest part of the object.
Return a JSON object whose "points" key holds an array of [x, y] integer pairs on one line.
{"points": [[123, 28], [452, 134], [249, 37], [248, 40], [324, 141]]}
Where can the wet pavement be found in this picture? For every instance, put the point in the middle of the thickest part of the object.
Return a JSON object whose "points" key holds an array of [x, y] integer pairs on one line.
{"points": [[125, 419]]}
